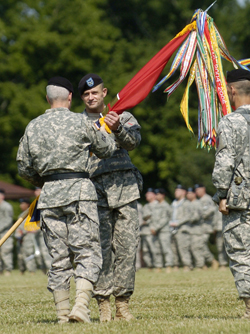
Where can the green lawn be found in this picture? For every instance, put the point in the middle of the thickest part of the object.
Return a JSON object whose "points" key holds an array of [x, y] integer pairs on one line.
{"points": [[192, 302]]}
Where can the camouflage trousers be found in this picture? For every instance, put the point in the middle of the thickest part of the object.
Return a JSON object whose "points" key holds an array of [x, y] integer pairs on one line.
{"points": [[45, 258], [6, 253], [162, 251], [208, 256], [26, 259], [71, 232], [119, 232], [197, 249], [183, 244], [147, 250], [222, 255], [237, 242]]}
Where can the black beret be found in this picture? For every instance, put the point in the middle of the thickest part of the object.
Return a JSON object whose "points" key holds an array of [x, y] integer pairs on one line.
{"points": [[24, 200], [61, 82], [198, 185], [238, 75], [190, 190], [89, 81], [160, 191], [2, 191], [150, 190], [179, 186]]}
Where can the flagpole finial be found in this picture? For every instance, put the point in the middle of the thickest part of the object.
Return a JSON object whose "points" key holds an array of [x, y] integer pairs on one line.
{"points": [[210, 6]]}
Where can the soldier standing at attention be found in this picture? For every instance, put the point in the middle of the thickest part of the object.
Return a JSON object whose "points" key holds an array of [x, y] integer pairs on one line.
{"points": [[196, 229], [222, 255], [180, 229], [116, 182], [207, 209], [6, 250], [161, 215], [45, 258], [148, 241], [54, 154], [231, 178]]}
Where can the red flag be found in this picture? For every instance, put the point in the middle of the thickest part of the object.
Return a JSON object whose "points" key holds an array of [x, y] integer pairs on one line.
{"points": [[141, 84]]}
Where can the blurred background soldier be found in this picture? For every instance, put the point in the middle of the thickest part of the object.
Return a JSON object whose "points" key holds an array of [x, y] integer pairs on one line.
{"points": [[44, 258], [146, 236], [27, 249], [139, 248], [196, 229], [207, 208], [161, 215], [6, 221], [180, 229], [118, 184], [217, 225]]}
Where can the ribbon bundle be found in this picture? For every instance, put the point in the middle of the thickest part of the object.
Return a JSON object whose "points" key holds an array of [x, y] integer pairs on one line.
{"points": [[201, 55]]}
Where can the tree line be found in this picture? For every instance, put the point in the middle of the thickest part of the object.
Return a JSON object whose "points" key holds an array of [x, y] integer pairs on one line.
{"points": [[115, 39]]}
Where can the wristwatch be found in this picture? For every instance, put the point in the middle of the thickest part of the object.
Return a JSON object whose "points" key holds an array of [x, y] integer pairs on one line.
{"points": [[119, 129]]}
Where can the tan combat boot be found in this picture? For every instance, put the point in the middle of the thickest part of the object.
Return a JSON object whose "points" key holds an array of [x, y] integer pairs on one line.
{"points": [[122, 310], [104, 309], [247, 313], [61, 299], [186, 269], [80, 311], [215, 264], [168, 270]]}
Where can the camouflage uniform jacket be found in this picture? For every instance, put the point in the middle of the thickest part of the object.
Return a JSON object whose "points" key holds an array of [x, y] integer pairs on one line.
{"points": [[161, 215], [56, 142], [232, 134], [180, 214], [6, 216], [116, 179]]}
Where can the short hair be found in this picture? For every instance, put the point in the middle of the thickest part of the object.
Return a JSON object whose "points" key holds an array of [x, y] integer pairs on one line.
{"points": [[243, 87], [57, 93]]}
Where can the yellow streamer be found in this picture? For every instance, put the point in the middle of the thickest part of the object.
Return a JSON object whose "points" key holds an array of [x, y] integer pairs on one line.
{"points": [[102, 121]]}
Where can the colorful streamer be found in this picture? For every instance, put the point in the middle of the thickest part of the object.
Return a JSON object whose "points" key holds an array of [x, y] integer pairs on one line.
{"points": [[203, 56]]}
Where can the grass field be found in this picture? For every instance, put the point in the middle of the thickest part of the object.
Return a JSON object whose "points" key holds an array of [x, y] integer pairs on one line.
{"points": [[192, 302]]}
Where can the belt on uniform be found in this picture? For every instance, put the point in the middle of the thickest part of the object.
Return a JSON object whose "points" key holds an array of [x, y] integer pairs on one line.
{"points": [[64, 176]]}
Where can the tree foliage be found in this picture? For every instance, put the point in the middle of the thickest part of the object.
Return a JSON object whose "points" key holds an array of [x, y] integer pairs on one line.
{"points": [[40, 39]]}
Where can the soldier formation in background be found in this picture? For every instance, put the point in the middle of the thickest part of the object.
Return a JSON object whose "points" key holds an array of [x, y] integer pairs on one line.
{"points": [[177, 235], [31, 251]]}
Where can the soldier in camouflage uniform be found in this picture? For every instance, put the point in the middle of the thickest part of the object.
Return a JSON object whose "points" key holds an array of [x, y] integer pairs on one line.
{"points": [[6, 250], [196, 229], [147, 239], [138, 264], [161, 215], [217, 226], [26, 244], [180, 229], [231, 178], [44, 259], [116, 181], [54, 154], [207, 213]]}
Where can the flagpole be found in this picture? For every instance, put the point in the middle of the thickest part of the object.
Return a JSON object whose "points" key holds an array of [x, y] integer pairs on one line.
{"points": [[14, 227]]}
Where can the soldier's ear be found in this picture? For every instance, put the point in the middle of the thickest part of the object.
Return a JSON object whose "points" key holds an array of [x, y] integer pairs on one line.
{"points": [[48, 100], [105, 91]]}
